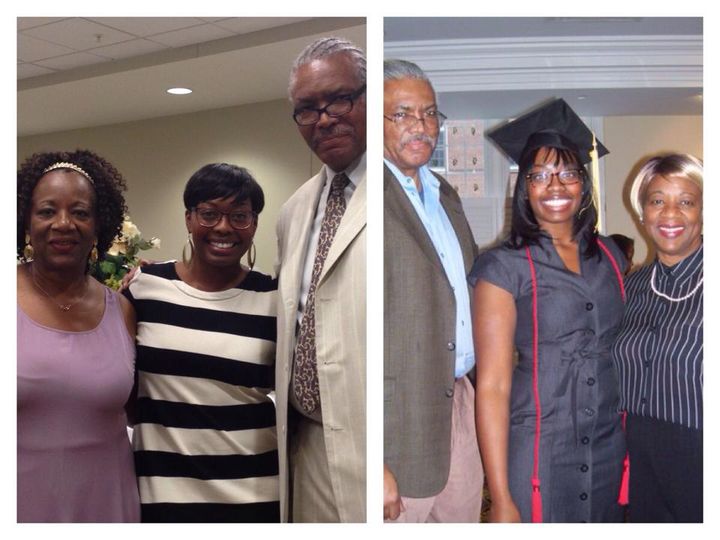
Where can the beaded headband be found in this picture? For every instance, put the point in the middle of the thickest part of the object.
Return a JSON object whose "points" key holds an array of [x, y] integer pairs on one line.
{"points": [[67, 165]]}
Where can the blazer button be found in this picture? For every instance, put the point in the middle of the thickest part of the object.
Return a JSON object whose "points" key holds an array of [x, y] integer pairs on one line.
{"points": [[589, 411], [583, 496], [450, 392], [585, 440], [590, 381], [451, 345], [584, 468], [589, 306]]}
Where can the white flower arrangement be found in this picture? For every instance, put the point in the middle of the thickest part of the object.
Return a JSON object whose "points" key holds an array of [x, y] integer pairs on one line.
{"points": [[123, 254]]}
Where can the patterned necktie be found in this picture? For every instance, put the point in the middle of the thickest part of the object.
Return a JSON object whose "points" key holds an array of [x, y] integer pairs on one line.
{"points": [[306, 387]]}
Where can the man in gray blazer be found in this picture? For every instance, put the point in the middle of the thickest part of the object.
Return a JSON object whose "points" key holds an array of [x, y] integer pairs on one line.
{"points": [[320, 370], [433, 471]]}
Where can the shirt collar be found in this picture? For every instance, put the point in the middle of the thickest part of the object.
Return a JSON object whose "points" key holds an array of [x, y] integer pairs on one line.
{"points": [[354, 172], [427, 179], [689, 265]]}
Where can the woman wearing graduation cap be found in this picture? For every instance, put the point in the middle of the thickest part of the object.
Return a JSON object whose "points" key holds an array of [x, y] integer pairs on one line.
{"points": [[550, 435]]}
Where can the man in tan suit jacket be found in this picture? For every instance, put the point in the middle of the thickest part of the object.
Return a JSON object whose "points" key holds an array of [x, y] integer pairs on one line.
{"points": [[432, 463], [322, 452]]}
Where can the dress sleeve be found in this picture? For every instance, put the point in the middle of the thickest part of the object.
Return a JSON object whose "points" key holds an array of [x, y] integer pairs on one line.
{"points": [[496, 266], [617, 253], [127, 292]]}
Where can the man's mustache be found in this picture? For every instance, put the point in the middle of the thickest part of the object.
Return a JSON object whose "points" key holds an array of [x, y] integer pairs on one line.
{"points": [[412, 137], [333, 131]]}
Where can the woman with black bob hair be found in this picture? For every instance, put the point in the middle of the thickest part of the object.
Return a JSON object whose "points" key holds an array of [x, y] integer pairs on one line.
{"points": [[548, 427], [75, 348], [204, 440]]}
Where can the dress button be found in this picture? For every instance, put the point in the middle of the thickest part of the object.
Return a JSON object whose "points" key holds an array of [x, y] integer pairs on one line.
{"points": [[451, 345], [583, 496], [589, 411], [589, 306], [584, 468], [585, 440], [449, 392], [590, 381]]}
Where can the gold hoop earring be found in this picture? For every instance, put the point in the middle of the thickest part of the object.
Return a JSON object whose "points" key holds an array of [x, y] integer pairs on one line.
{"points": [[186, 260], [94, 253], [28, 250], [252, 252]]}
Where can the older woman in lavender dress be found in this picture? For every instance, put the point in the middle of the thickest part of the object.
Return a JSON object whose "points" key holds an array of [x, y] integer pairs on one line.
{"points": [[75, 346]]}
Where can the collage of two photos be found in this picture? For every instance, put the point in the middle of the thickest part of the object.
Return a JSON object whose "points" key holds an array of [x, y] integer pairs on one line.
{"points": [[192, 270]]}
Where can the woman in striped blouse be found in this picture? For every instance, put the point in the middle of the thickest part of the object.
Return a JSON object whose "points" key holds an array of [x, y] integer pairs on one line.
{"points": [[659, 350], [204, 438]]}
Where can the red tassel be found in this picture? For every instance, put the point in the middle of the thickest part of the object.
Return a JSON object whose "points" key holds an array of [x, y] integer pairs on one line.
{"points": [[624, 497], [537, 514]]}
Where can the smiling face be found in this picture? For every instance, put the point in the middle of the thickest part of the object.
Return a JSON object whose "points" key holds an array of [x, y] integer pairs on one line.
{"points": [[62, 221], [556, 204], [672, 216], [411, 148], [337, 141], [221, 245]]}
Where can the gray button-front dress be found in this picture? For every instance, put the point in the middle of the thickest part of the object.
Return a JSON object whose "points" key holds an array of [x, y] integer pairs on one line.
{"points": [[582, 444]]}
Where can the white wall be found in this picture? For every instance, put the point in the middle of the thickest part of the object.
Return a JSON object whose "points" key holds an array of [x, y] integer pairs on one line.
{"points": [[631, 141], [157, 157]]}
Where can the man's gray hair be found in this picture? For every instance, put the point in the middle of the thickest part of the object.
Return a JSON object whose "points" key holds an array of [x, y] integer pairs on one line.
{"points": [[325, 47], [402, 69]]}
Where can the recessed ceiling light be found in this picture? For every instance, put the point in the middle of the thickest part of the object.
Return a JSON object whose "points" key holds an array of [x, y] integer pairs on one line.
{"points": [[582, 97], [179, 91]]}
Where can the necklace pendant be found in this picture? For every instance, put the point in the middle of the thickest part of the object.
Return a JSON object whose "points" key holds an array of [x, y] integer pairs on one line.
{"points": [[64, 308]]}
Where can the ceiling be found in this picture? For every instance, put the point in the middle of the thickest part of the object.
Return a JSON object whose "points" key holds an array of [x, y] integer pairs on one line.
{"points": [[678, 91], [79, 72]]}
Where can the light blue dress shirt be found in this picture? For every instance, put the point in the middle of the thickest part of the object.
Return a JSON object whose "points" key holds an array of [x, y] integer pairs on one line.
{"points": [[441, 233]]}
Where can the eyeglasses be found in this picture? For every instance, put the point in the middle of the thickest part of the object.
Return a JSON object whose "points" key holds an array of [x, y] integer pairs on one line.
{"points": [[340, 105], [208, 217], [431, 119], [566, 177]]}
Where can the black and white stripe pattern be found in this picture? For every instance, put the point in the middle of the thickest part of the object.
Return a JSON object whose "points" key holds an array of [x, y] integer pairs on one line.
{"points": [[204, 440], [659, 351]]}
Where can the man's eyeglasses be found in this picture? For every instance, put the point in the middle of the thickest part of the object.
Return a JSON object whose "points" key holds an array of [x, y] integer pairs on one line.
{"points": [[566, 177], [208, 217], [431, 119], [339, 106]]}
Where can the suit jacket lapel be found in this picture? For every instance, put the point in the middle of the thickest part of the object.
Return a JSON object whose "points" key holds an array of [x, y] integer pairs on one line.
{"points": [[299, 233], [398, 203], [353, 221], [456, 215]]}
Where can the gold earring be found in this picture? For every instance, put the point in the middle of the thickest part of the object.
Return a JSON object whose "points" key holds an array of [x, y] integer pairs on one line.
{"points": [[252, 252], [28, 251], [186, 260], [94, 253]]}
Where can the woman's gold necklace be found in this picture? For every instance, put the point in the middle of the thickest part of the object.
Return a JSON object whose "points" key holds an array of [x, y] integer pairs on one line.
{"points": [[62, 307]]}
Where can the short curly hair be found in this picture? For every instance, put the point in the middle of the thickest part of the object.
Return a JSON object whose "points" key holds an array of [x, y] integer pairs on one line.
{"points": [[108, 184]]}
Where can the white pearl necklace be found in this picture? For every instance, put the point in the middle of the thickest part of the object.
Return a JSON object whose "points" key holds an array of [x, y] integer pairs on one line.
{"points": [[665, 296]]}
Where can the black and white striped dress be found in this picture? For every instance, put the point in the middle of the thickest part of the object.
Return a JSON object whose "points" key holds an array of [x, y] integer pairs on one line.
{"points": [[204, 440]]}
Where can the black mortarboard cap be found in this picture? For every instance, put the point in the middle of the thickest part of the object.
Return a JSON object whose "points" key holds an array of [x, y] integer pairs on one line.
{"points": [[554, 124]]}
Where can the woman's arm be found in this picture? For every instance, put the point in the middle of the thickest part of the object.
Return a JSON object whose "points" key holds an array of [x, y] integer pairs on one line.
{"points": [[128, 315], [131, 325], [494, 318]]}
